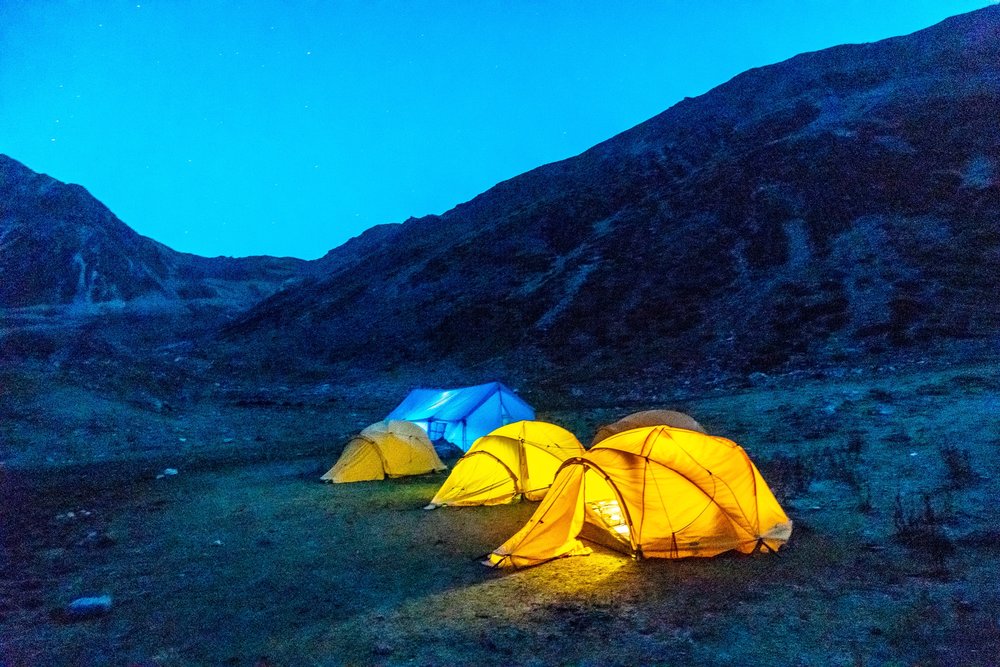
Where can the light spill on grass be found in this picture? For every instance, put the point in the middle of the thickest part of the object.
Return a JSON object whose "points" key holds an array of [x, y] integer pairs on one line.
{"points": [[307, 573]]}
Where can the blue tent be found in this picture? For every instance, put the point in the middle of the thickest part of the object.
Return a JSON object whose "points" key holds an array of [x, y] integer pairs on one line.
{"points": [[462, 415]]}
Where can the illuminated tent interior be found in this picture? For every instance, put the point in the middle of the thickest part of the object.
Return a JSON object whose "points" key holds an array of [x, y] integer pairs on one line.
{"points": [[462, 415], [657, 492], [648, 418], [514, 461], [385, 449]]}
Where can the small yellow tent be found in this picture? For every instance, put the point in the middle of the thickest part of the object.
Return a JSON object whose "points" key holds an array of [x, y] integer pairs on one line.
{"points": [[659, 492], [518, 459], [385, 449], [648, 418]]}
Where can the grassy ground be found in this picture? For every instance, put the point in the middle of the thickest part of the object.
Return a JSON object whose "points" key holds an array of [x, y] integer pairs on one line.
{"points": [[890, 480]]}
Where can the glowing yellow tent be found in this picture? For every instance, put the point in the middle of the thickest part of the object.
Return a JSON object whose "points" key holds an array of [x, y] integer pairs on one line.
{"points": [[515, 460], [648, 418], [385, 449], [657, 492]]}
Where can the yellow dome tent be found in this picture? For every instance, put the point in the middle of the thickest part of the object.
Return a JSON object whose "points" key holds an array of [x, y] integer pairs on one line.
{"points": [[385, 449], [648, 418], [518, 459], [656, 492]]}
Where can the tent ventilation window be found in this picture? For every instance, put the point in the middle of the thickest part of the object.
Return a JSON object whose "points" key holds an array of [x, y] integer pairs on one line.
{"points": [[611, 515], [435, 430]]}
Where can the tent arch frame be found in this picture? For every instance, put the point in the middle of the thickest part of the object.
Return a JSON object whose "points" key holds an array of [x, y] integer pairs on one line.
{"points": [[513, 478], [579, 460], [633, 541], [527, 453]]}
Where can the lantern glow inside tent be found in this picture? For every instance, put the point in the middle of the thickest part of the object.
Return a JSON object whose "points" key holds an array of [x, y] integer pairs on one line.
{"points": [[657, 492]]}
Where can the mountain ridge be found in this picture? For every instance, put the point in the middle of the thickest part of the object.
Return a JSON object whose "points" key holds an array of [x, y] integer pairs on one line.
{"points": [[800, 210], [839, 202], [61, 246]]}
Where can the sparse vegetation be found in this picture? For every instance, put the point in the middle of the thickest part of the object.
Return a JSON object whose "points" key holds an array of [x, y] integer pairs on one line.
{"points": [[789, 476], [898, 439], [841, 465], [856, 443], [933, 389], [855, 548], [958, 466], [969, 382], [881, 395], [919, 526]]}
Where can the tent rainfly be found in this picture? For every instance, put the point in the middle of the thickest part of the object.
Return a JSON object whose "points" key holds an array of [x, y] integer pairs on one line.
{"points": [[515, 460], [656, 492], [460, 416], [385, 449], [648, 418]]}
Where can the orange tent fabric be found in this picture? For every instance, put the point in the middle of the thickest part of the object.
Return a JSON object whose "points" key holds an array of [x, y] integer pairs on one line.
{"points": [[656, 492], [648, 418], [385, 449], [515, 460]]}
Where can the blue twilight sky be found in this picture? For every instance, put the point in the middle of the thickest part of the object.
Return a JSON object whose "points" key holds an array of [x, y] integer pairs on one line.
{"points": [[285, 127]]}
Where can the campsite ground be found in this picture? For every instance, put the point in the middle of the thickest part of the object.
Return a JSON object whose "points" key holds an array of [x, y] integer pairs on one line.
{"points": [[889, 475]]}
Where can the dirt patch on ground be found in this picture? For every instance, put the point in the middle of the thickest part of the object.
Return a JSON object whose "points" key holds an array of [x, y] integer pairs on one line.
{"points": [[893, 559]]}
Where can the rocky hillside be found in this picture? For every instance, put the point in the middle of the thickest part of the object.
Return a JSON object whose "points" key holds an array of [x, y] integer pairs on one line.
{"points": [[839, 202], [59, 245]]}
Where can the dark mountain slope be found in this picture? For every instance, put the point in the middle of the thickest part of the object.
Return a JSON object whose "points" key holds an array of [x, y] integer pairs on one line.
{"points": [[842, 200], [59, 245]]}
